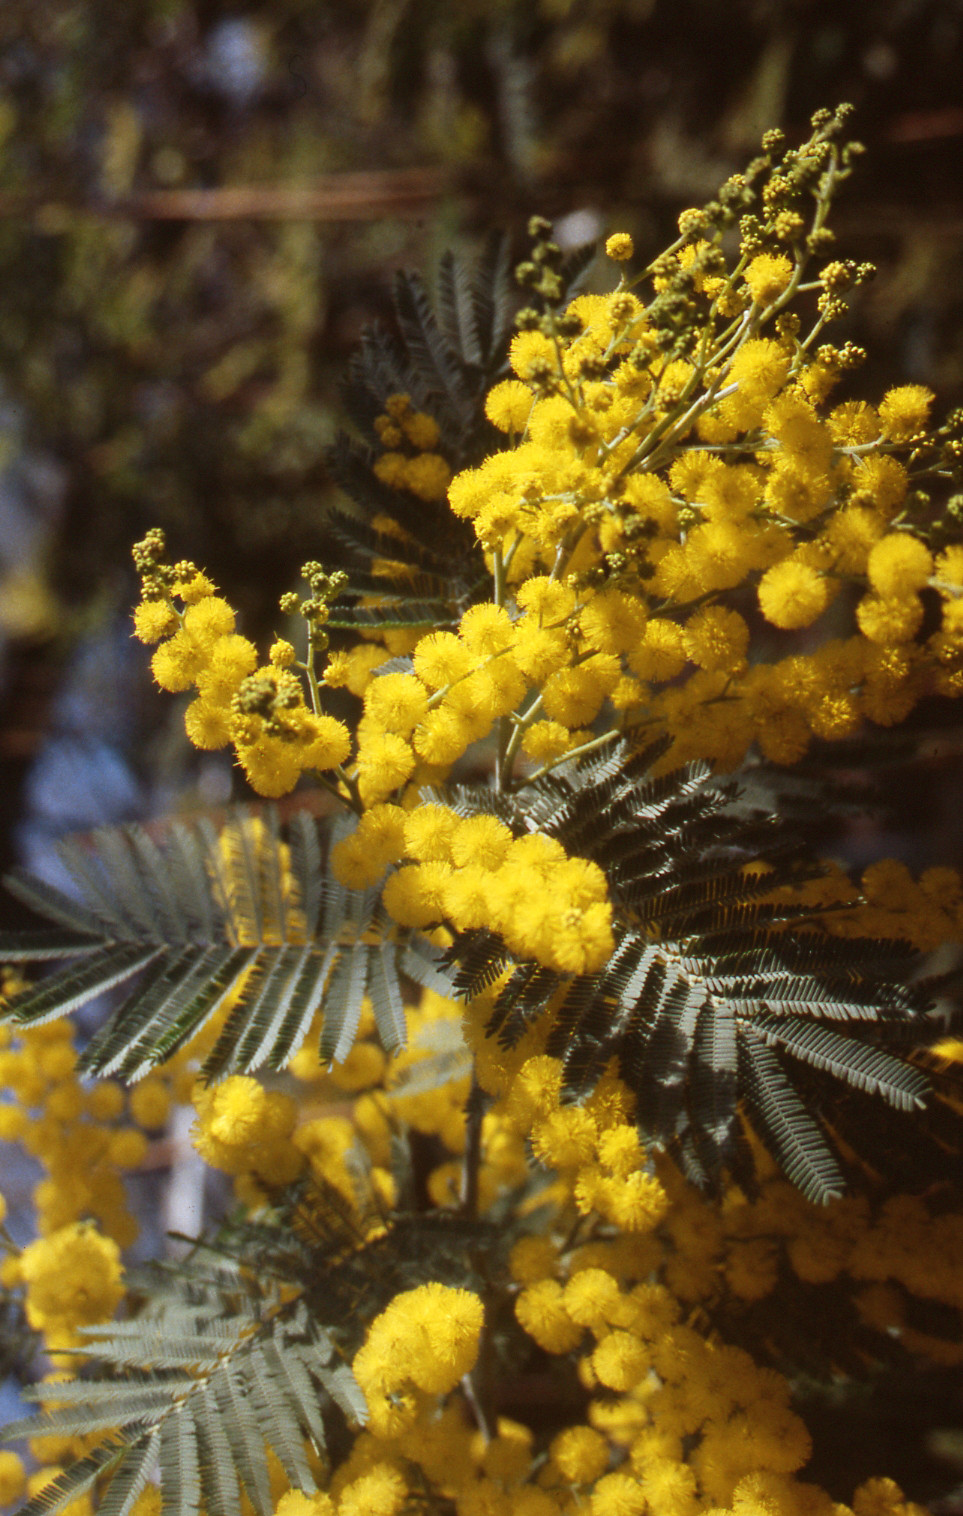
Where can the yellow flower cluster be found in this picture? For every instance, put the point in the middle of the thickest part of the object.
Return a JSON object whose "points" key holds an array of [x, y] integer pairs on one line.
{"points": [[72, 1278], [73, 1131], [261, 710], [420, 469], [883, 1255], [887, 903], [472, 872], [241, 1128], [657, 487], [421, 1345]]}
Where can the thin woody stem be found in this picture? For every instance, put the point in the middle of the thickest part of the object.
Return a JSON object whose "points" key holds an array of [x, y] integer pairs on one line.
{"points": [[471, 1164]]}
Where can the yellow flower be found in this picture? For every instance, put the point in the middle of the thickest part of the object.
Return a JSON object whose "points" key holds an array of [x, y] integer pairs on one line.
{"points": [[759, 368], [617, 1495], [297, 1503], [508, 405], [662, 652], [541, 1313], [153, 619], [13, 1478], [792, 594], [580, 1454], [889, 619], [421, 430], [899, 564], [619, 247], [207, 726], [73, 1279], [904, 411], [716, 638], [396, 702], [427, 476], [767, 276], [440, 658], [620, 1361], [486, 629]]}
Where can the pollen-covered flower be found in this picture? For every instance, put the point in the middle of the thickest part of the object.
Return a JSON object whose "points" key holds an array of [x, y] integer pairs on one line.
{"points": [[793, 594], [767, 276], [508, 405], [898, 564], [619, 247], [905, 410], [73, 1278]]}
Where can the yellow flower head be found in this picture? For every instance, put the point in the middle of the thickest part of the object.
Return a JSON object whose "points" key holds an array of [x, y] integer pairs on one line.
{"points": [[508, 405], [767, 276], [899, 564], [792, 594], [904, 411], [154, 619], [619, 247]]}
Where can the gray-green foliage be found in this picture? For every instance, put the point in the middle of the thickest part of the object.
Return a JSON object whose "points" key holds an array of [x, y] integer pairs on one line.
{"points": [[205, 918]]}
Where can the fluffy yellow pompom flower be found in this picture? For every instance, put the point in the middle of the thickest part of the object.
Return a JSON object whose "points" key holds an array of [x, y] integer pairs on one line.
{"points": [[486, 629], [759, 368], [889, 619], [428, 833], [617, 1495], [209, 619], [73, 1279], [480, 840], [717, 638], [619, 247], [426, 1338], [239, 1123], [207, 726], [580, 1453], [360, 859], [904, 411], [380, 1491], [662, 652], [326, 742], [176, 663], [396, 702], [592, 1298], [541, 1312], [508, 405], [427, 476], [792, 594], [440, 658], [154, 619], [767, 276], [899, 564], [621, 1361]]}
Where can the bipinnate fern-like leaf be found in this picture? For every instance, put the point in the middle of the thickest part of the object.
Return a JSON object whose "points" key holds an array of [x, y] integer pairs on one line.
{"points": [[725, 997], [445, 357], [208, 920], [243, 1347]]}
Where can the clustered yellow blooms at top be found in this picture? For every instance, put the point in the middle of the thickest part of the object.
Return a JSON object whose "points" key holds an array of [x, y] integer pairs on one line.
{"points": [[646, 504], [657, 488], [261, 710], [550, 906]]}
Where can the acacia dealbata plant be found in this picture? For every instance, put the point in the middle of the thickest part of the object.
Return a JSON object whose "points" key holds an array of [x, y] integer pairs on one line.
{"points": [[577, 1110]]}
